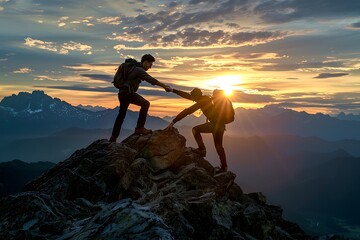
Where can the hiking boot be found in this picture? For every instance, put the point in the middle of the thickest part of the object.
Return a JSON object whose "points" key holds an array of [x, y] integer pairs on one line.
{"points": [[112, 139], [220, 170], [142, 131], [200, 151]]}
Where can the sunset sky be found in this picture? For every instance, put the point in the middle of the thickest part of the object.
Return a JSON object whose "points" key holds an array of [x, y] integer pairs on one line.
{"points": [[300, 54]]}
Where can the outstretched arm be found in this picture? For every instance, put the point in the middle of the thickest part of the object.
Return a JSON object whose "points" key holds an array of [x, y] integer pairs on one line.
{"points": [[187, 111], [166, 87], [145, 76], [184, 113], [182, 94]]}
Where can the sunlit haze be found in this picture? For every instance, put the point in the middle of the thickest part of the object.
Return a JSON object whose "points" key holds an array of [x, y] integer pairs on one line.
{"points": [[302, 55], [228, 83]]}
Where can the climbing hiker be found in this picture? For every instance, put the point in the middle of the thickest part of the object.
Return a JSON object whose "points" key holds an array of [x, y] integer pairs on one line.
{"points": [[127, 79], [218, 110]]}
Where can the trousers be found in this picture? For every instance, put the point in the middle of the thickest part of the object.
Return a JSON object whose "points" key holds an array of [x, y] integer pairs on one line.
{"points": [[217, 131], [125, 101]]}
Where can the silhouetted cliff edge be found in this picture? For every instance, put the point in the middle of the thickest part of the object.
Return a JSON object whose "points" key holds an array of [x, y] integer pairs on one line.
{"points": [[147, 187]]}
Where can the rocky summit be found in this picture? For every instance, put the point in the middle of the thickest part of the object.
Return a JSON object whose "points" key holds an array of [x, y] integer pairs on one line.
{"points": [[147, 187]]}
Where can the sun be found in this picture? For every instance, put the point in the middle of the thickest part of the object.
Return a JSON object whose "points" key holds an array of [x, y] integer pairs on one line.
{"points": [[228, 83], [228, 90]]}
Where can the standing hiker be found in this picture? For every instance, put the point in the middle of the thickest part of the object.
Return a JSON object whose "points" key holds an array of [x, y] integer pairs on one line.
{"points": [[218, 110], [127, 79]]}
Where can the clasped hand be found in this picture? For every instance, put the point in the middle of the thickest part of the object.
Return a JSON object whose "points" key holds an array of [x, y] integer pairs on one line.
{"points": [[168, 88]]}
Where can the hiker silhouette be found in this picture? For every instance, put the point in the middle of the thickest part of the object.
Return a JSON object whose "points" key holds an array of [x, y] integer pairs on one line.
{"points": [[213, 108], [127, 79]]}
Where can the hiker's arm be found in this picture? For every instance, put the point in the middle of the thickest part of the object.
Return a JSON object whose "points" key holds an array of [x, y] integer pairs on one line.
{"points": [[166, 87], [186, 112], [182, 94], [145, 76]]}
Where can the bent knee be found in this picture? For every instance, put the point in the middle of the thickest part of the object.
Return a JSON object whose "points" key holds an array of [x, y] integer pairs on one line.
{"points": [[146, 104], [219, 147]]}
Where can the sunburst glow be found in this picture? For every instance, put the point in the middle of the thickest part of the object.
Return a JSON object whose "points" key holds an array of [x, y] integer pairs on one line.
{"points": [[228, 83]]}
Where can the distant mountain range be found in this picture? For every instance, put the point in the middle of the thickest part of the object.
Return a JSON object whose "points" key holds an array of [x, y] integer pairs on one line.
{"points": [[37, 113], [275, 120], [350, 116], [92, 108]]}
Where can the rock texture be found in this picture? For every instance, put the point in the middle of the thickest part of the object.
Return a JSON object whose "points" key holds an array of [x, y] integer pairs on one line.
{"points": [[147, 187]]}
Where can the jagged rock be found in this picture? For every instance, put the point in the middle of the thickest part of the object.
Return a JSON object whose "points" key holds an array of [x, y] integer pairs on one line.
{"points": [[147, 187], [161, 149]]}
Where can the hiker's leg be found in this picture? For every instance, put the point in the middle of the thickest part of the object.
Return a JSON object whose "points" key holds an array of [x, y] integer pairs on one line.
{"points": [[218, 135], [124, 104], [144, 104], [203, 128]]}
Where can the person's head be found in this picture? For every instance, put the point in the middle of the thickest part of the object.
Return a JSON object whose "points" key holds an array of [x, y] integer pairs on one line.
{"points": [[217, 93], [147, 61], [196, 94]]}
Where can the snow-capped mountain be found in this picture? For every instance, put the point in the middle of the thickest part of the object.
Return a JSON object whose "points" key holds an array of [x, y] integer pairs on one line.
{"points": [[38, 105], [92, 108], [37, 112]]}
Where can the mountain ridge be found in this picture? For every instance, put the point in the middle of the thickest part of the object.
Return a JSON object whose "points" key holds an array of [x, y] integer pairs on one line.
{"points": [[142, 188], [46, 114]]}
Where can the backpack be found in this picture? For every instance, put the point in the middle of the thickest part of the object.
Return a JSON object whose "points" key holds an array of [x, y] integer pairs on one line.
{"points": [[123, 71], [223, 109]]}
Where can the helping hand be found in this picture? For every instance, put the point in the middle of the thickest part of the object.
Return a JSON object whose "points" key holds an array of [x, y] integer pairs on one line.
{"points": [[170, 126], [168, 89]]}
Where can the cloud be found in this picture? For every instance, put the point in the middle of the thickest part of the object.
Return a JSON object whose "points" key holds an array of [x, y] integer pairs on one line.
{"points": [[331, 75], [75, 46], [291, 10], [64, 48], [85, 88], [68, 22], [109, 20], [47, 78], [255, 56], [338, 101], [61, 21], [304, 66], [216, 62], [104, 77], [23, 70], [81, 88], [240, 96], [192, 38], [188, 26], [355, 25], [263, 89], [1, 7], [108, 68], [50, 46]]}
